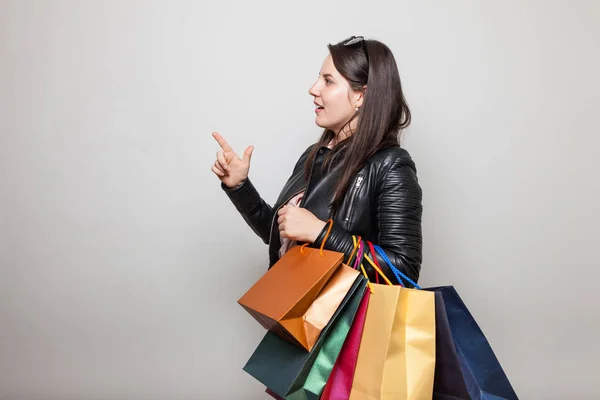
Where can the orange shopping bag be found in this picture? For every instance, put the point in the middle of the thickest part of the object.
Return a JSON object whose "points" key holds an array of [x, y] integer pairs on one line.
{"points": [[299, 295]]}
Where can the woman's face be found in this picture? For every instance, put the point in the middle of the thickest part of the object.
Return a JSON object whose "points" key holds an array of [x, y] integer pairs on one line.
{"points": [[335, 100]]}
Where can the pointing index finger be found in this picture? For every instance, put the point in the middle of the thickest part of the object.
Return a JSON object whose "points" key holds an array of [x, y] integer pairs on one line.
{"points": [[222, 142]]}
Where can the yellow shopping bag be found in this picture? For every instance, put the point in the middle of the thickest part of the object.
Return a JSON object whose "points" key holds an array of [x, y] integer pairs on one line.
{"points": [[396, 358]]}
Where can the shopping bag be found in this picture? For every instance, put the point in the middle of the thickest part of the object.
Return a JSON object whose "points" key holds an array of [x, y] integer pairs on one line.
{"points": [[396, 357], [449, 382], [339, 383], [284, 367], [297, 297], [273, 394], [482, 375]]}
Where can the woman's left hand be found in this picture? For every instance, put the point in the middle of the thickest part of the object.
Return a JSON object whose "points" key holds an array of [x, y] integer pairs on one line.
{"points": [[299, 224]]}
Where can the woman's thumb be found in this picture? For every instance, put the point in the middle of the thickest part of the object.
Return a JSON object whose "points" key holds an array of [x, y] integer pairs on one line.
{"points": [[248, 154]]}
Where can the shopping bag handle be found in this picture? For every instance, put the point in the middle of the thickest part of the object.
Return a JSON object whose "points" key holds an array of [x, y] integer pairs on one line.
{"points": [[359, 254], [385, 278], [355, 249], [366, 257], [372, 250], [359, 258], [330, 222], [395, 270]]}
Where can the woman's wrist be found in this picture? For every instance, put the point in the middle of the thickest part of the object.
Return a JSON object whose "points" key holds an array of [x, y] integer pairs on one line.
{"points": [[320, 227], [235, 186]]}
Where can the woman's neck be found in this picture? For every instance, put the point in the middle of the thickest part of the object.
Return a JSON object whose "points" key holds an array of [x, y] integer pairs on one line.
{"points": [[346, 131], [343, 135]]}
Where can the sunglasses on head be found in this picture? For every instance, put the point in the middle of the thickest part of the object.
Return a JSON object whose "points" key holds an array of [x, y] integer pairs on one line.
{"points": [[352, 40]]}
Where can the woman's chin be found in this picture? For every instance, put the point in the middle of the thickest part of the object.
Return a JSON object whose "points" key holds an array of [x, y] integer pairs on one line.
{"points": [[320, 123]]}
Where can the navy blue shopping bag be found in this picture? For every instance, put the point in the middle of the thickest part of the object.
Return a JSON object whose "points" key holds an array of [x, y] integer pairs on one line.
{"points": [[482, 373]]}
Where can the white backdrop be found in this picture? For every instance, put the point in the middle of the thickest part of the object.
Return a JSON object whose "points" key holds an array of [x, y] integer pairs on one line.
{"points": [[121, 260]]}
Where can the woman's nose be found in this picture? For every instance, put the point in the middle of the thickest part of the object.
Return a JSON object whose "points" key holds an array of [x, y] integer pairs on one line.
{"points": [[313, 91]]}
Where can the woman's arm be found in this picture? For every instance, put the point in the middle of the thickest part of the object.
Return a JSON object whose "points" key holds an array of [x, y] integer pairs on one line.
{"points": [[255, 211]]}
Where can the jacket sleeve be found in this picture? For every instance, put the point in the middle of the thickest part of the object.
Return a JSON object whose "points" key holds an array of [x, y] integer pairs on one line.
{"points": [[398, 202], [255, 211]]}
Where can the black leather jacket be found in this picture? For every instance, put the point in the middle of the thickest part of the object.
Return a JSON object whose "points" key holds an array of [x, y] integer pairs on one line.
{"points": [[383, 205]]}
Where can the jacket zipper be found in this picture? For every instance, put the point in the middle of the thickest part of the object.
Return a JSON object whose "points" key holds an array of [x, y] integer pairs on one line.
{"points": [[359, 181]]}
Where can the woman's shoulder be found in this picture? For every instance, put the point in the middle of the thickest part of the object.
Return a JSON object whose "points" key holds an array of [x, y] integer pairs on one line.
{"points": [[389, 157], [391, 167]]}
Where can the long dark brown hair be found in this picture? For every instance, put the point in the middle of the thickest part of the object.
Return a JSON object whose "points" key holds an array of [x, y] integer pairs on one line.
{"points": [[382, 117]]}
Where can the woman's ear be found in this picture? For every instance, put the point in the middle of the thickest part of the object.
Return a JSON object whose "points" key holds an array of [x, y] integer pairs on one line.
{"points": [[359, 98]]}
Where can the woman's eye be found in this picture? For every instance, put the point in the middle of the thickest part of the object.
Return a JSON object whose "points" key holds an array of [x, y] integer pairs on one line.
{"points": [[328, 82]]}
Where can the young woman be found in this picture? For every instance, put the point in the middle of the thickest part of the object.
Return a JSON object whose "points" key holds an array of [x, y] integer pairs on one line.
{"points": [[356, 174]]}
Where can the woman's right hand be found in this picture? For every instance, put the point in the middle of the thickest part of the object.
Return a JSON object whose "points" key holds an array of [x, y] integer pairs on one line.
{"points": [[229, 168]]}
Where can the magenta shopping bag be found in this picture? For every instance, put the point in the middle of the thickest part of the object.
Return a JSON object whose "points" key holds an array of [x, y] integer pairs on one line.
{"points": [[339, 383]]}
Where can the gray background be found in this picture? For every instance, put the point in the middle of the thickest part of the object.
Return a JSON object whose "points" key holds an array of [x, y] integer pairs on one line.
{"points": [[121, 259]]}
